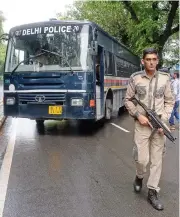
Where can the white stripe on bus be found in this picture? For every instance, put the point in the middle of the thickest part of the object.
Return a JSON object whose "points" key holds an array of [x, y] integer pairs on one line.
{"points": [[115, 78], [51, 91]]}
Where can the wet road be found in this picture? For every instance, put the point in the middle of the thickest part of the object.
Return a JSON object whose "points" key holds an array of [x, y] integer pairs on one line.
{"points": [[72, 172]]}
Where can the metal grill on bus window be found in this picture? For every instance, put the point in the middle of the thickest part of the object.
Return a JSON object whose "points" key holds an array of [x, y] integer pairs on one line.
{"points": [[46, 98]]}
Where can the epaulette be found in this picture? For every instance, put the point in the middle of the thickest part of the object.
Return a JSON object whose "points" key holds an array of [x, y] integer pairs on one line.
{"points": [[137, 73], [164, 73]]}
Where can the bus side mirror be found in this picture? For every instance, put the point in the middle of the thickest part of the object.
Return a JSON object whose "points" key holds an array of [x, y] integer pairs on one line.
{"points": [[94, 48]]}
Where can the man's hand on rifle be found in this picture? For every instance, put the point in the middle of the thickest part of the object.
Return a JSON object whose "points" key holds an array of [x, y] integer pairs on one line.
{"points": [[153, 121], [144, 120], [160, 131]]}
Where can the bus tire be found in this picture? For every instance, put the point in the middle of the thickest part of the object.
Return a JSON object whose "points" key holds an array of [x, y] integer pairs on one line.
{"points": [[40, 123], [122, 110], [108, 109], [85, 125]]}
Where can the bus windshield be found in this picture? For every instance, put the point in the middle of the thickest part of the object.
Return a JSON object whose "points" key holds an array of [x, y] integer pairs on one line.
{"points": [[71, 42]]}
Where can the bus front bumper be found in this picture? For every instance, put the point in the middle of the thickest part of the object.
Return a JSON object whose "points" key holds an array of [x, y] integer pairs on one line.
{"points": [[50, 110], [55, 112]]}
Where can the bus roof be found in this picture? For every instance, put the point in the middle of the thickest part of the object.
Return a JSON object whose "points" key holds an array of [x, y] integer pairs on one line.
{"points": [[43, 23]]}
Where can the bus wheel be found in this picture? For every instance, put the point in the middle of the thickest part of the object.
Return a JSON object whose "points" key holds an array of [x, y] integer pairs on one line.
{"points": [[122, 110], [40, 126], [40, 123], [108, 109], [86, 125]]}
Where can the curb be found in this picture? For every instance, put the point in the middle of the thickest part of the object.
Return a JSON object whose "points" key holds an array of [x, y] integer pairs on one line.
{"points": [[3, 147], [2, 120]]}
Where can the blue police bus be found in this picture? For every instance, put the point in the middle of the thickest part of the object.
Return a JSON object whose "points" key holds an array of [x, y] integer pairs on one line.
{"points": [[65, 70]]}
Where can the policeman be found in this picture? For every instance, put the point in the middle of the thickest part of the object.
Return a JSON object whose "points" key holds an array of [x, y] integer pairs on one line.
{"points": [[153, 89]]}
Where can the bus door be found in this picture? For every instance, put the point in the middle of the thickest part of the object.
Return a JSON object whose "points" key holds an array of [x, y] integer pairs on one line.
{"points": [[100, 83]]}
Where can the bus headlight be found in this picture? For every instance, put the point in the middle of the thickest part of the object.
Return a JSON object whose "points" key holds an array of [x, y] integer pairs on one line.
{"points": [[76, 102], [10, 101]]}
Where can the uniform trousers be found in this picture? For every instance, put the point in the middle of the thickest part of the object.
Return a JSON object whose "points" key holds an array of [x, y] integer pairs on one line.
{"points": [[149, 147]]}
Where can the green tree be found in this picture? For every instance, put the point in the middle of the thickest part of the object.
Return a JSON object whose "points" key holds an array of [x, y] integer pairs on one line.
{"points": [[137, 24], [171, 51], [2, 45]]}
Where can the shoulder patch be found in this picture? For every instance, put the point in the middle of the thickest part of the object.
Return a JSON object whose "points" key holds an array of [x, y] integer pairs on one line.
{"points": [[164, 73], [137, 73]]}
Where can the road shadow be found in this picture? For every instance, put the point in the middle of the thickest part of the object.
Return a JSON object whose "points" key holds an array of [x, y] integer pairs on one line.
{"points": [[77, 128], [70, 128]]}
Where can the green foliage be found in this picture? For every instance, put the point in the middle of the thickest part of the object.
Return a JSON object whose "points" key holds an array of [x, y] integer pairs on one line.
{"points": [[2, 45], [137, 24], [2, 56], [99, 12], [171, 50]]}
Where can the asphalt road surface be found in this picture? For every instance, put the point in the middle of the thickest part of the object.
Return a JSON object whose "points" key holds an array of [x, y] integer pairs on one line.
{"points": [[68, 171]]}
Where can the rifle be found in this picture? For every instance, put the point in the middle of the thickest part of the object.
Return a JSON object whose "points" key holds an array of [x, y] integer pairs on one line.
{"points": [[155, 120]]}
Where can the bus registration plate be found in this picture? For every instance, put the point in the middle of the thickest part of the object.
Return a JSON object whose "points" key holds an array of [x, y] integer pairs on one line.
{"points": [[55, 110]]}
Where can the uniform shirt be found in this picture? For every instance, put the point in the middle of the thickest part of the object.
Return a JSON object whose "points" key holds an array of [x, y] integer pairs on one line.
{"points": [[176, 86], [142, 86]]}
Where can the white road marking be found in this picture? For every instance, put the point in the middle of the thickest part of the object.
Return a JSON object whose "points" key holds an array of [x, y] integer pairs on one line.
{"points": [[6, 166], [120, 128]]}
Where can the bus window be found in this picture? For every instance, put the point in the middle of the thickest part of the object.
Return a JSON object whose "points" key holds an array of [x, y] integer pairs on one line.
{"points": [[106, 62], [18, 56], [120, 64], [110, 64], [115, 66], [71, 45], [98, 67]]}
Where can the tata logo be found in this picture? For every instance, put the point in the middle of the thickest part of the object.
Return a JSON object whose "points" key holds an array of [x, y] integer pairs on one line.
{"points": [[40, 98]]}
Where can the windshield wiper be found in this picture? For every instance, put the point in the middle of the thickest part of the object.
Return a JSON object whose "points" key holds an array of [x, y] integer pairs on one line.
{"points": [[26, 60], [56, 54]]}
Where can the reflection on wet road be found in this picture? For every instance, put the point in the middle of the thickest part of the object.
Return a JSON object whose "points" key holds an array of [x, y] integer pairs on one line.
{"points": [[81, 171]]}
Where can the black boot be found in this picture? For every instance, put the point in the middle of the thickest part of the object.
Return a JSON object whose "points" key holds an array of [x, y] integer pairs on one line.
{"points": [[154, 200], [137, 184]]}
